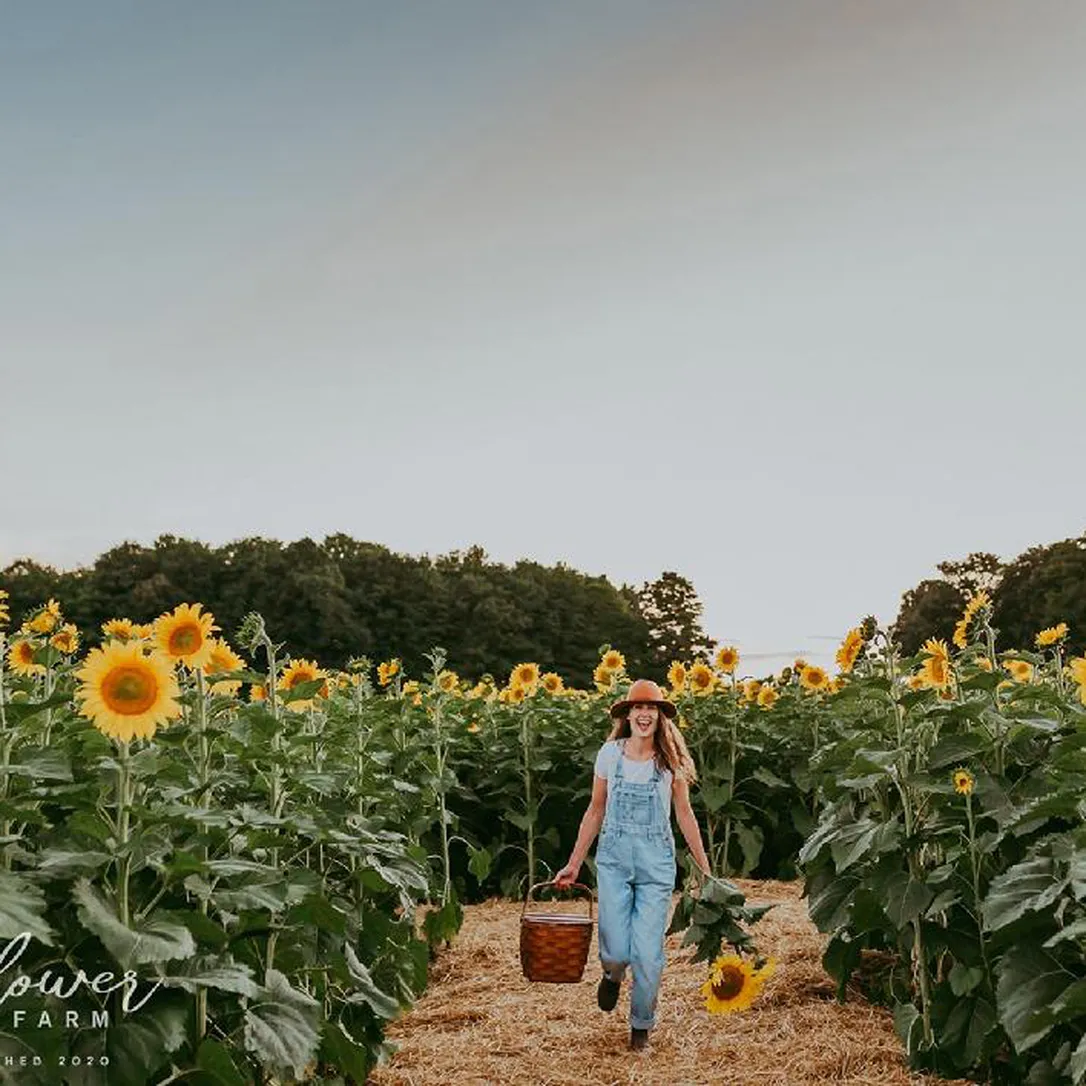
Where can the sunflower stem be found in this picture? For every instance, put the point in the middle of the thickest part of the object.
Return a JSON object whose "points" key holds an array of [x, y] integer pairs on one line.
{"points": [[124, 777]]}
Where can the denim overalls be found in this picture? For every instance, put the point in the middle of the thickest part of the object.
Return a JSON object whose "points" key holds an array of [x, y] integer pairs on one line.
{"points": [[635, 873]]}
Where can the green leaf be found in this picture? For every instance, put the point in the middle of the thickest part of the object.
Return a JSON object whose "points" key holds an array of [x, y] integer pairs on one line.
{"points": [[479, 863], [222, 974], [49, 764], [1076, 930], [138, 1046], [967, 1026], [381, 1003], [964, 979], [214, 1060], [1077, 1066], [153, 940], [909, 1026], [1028, 886], [852, 843], [1029, 982], [955, 749], [281, 1028], [22, 909]]}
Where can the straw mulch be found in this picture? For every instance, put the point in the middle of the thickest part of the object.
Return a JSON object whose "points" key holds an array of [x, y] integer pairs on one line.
{"points": [[480, 1021]]}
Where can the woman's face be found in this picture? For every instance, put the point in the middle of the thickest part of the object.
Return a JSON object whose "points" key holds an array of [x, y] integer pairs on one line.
{"points": [[643, 717]]}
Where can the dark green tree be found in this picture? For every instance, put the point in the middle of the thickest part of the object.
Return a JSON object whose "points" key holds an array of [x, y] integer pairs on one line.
{"points": [[672, 610]]}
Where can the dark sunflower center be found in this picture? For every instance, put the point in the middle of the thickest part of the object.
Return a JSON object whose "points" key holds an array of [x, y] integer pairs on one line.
{"points": [[185, 640], [730, 983], [129, 690]]}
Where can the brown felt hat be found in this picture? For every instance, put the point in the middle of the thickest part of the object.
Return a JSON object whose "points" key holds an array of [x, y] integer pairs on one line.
{"points": [[644, 690]]}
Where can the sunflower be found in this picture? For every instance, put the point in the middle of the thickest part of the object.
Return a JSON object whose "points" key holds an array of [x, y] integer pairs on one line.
{"points": [[410, 687], [613, 660], [850, 649], [144, 631], [702, 680], [118, 629], [961, 630], [604, 679], [184, 635], [1051, 635], [448, 681], [387, 671], [5, 614], [512, 695], [983, 663], [935, 647], [66, 639], [1020, 670], [727, 659], [798, 664], [916, 682], [767, 697], [294, 674], [552, 683], [45, 620], [526, 675], [127, 692], [813, 678], [223, 660], [963, 781], [935, 674], [733, 984], [21, 657], [1077, 667], [751, 689], [676, 676]]}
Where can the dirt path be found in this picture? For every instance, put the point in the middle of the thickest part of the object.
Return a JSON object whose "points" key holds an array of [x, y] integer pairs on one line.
{"points": [[480, 1021]]}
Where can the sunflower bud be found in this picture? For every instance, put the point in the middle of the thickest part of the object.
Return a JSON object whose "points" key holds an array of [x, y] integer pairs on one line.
{"points": [[868, 627]]}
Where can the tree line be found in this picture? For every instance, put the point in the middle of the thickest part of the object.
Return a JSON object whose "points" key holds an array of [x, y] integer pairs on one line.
{"points": [[344, 598], [1042, 587]]}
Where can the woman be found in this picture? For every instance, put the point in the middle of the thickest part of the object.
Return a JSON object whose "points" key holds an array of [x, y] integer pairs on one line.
{"points": [[642, 767]]}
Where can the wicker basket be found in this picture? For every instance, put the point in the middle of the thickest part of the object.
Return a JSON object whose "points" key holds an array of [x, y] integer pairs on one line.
{"points": [[554, 946]]}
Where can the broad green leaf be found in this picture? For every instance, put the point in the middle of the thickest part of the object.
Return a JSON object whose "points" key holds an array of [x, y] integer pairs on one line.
{"points": [[281, 1026], [382, 1004], [1029, 983], [967, 1025], [1028, 886], [1077, 1068], [964, 979], [22, 909], [214, 1060], [151, 940], [223, 974]]}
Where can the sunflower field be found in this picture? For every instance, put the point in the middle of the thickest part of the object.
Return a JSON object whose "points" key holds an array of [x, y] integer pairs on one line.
{"points": [[223, 865]]}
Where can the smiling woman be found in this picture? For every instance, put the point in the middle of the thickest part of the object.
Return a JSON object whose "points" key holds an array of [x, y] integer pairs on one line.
{"points": [[642, 767]]}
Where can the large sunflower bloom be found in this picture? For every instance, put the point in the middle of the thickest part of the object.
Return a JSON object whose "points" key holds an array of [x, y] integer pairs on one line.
{"points": [[613, 660], [21, 657], [935, 647], [526, 675], [387, 671], [552, 683], [733, 984], [935, 674], [850, 649], [118, 629], [46, 620], [128, 693], [727, 659], [1077, 667], [813, 678], [767, 697], [604, 678], [222, 661], [66, 639], [1020, 670], [676, 676], [448, 681], [294, 674], [184, 635], [1051, 635], [702, 680]]}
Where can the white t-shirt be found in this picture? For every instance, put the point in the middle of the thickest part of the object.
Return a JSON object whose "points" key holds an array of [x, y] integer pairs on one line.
{"points": [[636, 772]]}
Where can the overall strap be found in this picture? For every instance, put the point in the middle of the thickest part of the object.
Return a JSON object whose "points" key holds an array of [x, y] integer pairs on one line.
{"points": [[618, 762]]}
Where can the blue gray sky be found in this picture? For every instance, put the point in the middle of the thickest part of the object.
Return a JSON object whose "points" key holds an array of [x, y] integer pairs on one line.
{"points": [[787, 297]]}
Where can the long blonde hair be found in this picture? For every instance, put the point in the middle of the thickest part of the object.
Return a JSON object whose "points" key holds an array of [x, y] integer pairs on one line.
{"points": [[669, 747]]}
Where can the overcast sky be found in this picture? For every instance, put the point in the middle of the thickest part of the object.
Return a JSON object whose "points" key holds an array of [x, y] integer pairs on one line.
{"points": [[787, 297]]}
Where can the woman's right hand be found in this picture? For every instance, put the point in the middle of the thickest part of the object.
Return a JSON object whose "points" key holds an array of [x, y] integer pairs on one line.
{"points": [[567, 876]]}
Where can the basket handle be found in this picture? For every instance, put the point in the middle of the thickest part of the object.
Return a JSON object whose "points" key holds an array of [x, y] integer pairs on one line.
{"points": [[572, 886]]}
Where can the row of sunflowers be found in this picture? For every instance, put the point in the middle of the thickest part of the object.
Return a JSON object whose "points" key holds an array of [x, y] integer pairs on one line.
{"points": [[252, 833]]}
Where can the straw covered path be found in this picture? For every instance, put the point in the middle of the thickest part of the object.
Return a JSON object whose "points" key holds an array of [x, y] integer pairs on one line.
{"points": [[480, 1021]]}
